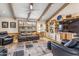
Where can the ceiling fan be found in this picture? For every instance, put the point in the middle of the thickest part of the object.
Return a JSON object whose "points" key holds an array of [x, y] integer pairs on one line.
{"points": [[31, 7]]}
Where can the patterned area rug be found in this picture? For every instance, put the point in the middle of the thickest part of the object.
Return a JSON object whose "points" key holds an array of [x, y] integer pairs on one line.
{"points": [[29, 48]]}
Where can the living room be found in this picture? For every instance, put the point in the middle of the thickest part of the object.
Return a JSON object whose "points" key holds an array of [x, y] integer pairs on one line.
{"points": [[39, 29]]}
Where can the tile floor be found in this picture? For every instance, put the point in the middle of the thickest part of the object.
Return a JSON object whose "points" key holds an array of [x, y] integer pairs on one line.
{"points": [[29, 48]]}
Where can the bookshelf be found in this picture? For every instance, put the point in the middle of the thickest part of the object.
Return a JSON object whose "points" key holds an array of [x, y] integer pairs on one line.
{"points": [[25, 26]]}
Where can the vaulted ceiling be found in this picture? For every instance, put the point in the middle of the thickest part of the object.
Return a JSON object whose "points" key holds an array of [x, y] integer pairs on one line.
{"points": [[40, 11]]}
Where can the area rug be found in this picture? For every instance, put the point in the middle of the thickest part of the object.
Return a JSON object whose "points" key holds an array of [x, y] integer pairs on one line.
{"points": [[19, 53], [29, 46]]}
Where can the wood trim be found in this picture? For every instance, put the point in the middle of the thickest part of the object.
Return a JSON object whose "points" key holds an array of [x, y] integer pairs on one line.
{"points": [[47, 8], [13, 33], [66, 4]]}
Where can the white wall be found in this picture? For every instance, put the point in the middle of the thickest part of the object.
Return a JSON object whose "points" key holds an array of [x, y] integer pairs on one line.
{"points": [[41, 29], [9, 30]]}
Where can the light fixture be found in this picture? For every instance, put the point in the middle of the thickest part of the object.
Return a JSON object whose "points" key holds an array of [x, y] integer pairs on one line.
{"points": [[31, 6]]}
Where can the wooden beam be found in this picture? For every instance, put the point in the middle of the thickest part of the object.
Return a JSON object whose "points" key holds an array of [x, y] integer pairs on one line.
{"points": [[12, 11], [47, 8], [58, 11], [28, 15], [29, 11]]}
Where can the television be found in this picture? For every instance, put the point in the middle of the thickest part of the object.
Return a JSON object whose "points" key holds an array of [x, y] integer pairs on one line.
{"points": [[74, 27], [71, 26]]}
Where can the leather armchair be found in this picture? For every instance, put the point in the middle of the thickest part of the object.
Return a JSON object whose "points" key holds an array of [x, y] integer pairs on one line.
{"points": [[3, 51], [5, 38], [60, 50]]}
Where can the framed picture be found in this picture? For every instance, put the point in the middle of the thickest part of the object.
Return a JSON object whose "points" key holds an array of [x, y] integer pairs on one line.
{"points": [[12, 24], [4, 24]]}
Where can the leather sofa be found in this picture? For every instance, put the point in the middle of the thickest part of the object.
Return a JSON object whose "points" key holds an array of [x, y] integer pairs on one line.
{"points": [[3, 51], [26, 37], [61, 50], [5, 38]]}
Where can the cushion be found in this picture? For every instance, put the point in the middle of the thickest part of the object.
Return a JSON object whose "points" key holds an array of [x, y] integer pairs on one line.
{"points": [[3, 33], [64, 41], [77, 47], [71, 44]]}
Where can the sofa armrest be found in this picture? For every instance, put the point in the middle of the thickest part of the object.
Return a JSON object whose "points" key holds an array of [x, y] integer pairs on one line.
{"points": [[66, 49], [9, 36]]}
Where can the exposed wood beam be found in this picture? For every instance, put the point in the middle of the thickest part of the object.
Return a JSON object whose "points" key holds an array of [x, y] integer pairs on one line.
{"points": [[66, 4], [29, 11], [47, 8], [12, 11], [28, 15]]}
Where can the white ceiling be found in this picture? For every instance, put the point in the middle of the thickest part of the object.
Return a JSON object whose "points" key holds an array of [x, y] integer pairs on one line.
{"points": [[72, 8], [39, 9], [21, 10], [54, 7], [5, 10]]}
